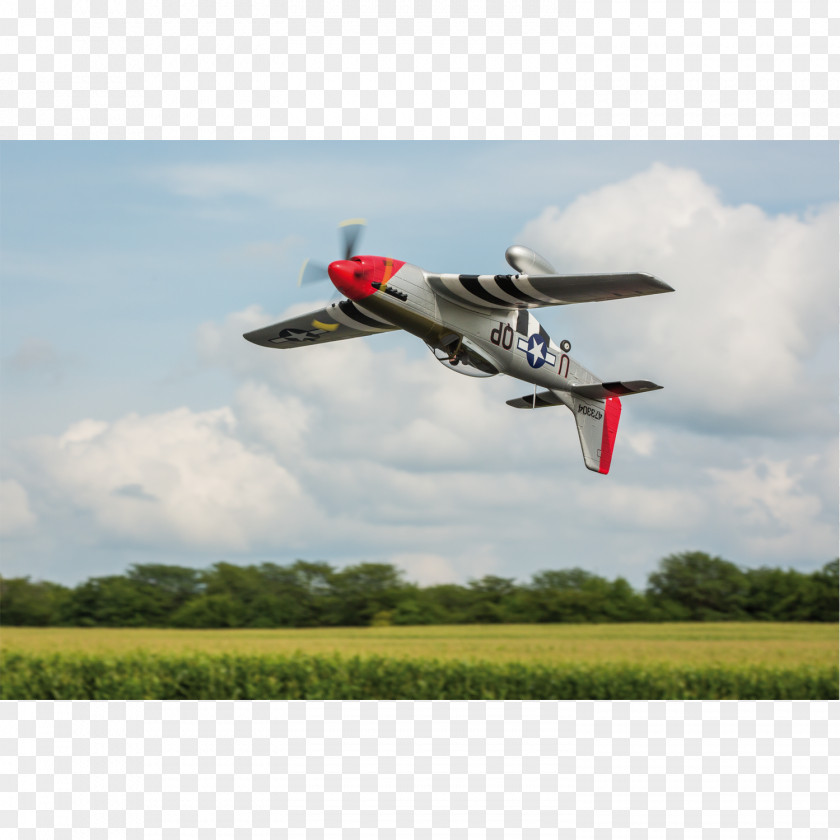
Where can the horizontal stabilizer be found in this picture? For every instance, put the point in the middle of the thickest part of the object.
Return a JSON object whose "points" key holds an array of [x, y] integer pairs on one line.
{"points": [[543, 400], [603, 390], [599, 391]]}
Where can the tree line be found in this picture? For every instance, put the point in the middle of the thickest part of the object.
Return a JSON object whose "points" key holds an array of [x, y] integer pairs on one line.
{"points": [[691, 586]]}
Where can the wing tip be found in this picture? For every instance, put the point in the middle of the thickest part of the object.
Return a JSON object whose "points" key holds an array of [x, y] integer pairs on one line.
{"points": [[605, 390], [661, 285]]}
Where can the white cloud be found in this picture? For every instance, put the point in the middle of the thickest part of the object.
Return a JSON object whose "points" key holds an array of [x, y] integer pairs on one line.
{"points": [[778, 515], [16, 517], [278, 422], [179, 477], [642, 443], [756, 299], [636, 506], [350, 449], [425, 569], [84, 431], [370, 450], [367, 397]]}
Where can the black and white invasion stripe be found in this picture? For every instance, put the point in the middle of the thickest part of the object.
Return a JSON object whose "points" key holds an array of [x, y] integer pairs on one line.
{"points": [[497, 291], [527, 325], [351, 315]]}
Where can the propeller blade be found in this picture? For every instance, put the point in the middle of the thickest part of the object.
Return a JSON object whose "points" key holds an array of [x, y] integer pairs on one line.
{"points": [[350, 230], [312, 272]]}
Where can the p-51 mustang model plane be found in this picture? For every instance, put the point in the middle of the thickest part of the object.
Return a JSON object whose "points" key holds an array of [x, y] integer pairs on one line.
{"points": [[478, 325]]}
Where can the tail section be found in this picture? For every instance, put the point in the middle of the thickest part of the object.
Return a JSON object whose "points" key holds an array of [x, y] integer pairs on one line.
{"points": [[597, 410], [597, 425], [596, 418]]}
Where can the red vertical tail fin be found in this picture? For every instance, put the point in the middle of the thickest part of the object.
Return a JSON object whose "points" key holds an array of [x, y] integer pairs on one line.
{"points": [[597, 425], [612, 414]]}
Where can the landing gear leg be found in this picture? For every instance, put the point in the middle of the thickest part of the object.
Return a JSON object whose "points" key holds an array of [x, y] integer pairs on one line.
{"points": [[454, 354]]}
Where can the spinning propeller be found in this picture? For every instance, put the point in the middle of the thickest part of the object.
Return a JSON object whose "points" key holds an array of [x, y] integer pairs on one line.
{"points": [[349, 233]]}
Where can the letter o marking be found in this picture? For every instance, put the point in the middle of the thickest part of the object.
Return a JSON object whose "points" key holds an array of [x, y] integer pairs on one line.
{"points": [[507, 337]]}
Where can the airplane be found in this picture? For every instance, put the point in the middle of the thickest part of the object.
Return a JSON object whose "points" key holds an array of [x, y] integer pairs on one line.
{"points": [[476, 324]]}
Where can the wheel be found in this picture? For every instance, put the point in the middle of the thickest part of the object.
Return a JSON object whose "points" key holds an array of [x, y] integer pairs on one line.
{"points": [[565, 346]]}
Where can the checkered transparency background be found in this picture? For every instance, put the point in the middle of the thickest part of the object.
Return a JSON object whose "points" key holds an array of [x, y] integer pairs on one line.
{"points": [[390, 769], [353, 69]]}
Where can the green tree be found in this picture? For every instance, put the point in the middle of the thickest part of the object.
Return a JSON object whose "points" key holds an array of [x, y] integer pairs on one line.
{"points": [[777, 594], [242, 592], [163, 590], [575, 595], [412, 608], [826, 597], [445, 603], [291, 596], [268, 595], [490, 597], [789, 595], [206, 611], [359, 592], [694, 586], [111, 601], [24, 603], [311, 591], [625, 604]]}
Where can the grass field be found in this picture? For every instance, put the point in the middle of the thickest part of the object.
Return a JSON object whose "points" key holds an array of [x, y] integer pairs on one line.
{"points": [[781, 645], [505, 661]]}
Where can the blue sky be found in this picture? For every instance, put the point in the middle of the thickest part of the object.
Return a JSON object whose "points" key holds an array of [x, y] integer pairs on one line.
{"points": [[138, 426]]}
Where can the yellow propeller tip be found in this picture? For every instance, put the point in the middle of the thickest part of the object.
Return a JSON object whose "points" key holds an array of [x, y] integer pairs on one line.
{"points": [[302, 269]]}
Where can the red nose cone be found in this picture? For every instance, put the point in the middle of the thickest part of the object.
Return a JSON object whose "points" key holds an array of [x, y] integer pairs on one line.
{"points": [[350, 278]]}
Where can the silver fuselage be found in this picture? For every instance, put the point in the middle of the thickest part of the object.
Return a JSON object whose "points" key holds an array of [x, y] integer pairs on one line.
{"points": [[500, 335]]}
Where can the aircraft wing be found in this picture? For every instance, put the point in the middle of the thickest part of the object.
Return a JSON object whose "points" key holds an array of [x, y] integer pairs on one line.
{"points": [[333, 322], [522, 291]]}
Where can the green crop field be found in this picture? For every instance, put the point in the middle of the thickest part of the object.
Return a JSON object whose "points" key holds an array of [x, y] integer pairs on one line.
{"points": [[608, 661]]}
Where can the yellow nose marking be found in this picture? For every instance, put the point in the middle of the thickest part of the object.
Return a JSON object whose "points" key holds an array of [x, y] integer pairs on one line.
{"points": [[389, 267]]}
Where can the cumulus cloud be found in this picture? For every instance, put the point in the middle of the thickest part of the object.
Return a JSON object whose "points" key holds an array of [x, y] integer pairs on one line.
{"points": [[180, 476], [756, 300], [778, 515], [368, 449], [366, 399], [656, 508], [353, 450], [426, 569], [16, 517]]}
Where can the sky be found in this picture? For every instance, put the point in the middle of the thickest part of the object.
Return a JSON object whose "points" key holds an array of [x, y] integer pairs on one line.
{"points": [[138, 426]]}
